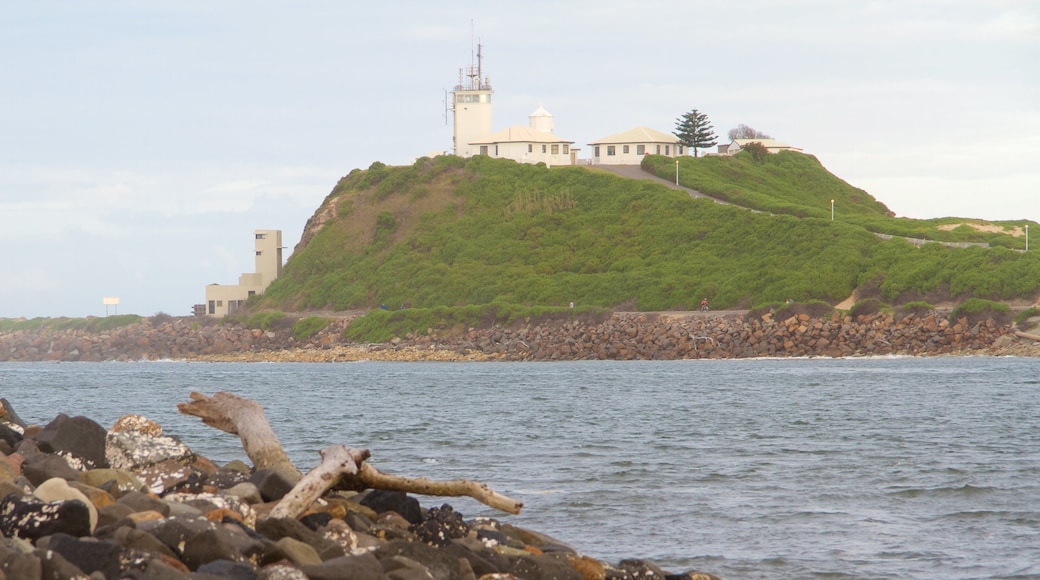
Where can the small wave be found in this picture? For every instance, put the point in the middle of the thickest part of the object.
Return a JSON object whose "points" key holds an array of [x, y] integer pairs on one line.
{"points": [[966, 489]]}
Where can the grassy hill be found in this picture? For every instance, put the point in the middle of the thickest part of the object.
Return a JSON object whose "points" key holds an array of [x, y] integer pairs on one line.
{"points": [[454, 232]]}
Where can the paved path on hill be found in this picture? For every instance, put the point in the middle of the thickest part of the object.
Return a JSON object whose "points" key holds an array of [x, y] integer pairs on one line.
{"points": [[636, 172]]}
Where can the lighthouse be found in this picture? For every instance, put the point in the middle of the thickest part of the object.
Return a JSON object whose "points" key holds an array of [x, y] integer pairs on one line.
{"points": [[471, 107]]}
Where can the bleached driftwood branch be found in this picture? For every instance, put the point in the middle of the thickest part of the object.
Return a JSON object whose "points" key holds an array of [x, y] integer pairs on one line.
{"points": [[340, 464]]}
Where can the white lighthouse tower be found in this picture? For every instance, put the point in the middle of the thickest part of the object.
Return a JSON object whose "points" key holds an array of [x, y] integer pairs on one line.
{"points": [[471, 108]]}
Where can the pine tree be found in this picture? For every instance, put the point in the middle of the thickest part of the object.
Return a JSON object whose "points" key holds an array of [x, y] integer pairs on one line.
{"points": [[695, 131]]}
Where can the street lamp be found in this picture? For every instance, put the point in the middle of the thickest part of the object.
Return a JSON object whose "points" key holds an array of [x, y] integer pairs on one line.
{"points": [[832, 210], [677, 171]]}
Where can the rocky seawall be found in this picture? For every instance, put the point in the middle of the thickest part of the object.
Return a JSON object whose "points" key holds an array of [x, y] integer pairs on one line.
{"points": [[619, 336], [78, 500]]}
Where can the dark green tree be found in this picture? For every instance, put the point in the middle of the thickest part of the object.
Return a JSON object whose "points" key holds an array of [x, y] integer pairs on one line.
{"points": [[695, 131]]}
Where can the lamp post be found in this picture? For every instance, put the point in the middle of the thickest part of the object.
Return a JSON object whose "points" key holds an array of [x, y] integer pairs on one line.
{"points": [[677, 172], [1027, 237], [832, 210]]}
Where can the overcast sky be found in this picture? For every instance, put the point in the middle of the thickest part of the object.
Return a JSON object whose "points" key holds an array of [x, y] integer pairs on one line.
{"points": [[141, 143]]}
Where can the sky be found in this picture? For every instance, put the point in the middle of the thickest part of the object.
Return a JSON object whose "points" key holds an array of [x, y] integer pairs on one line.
{"points": [[141, 143]]}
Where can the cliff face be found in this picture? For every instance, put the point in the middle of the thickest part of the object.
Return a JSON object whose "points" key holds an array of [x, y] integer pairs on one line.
{"points": [[622, 336]]}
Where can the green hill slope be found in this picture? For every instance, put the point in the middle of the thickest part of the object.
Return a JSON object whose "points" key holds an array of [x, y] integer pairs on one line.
{"points": [[451, 232]]}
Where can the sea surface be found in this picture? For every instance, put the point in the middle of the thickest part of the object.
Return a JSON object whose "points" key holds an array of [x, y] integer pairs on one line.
{"points": [[836, 468]]}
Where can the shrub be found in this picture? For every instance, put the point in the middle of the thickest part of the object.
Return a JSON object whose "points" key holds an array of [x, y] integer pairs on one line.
{"points": [[866, 307], [266, 320], [978, 309], [309, 326]]}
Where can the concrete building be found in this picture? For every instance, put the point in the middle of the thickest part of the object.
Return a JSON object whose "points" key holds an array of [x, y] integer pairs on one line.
{"points": [[629, 147], [771, 145], [222, 300]]}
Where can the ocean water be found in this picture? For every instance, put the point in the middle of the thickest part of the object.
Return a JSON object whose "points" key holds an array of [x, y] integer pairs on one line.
{"points": [[848, 468]]}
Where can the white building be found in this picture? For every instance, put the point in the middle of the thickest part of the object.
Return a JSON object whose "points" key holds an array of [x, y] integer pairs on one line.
{"points": [[222, 300], [629, 147], [471, 108], [533, 144], [771, 145]]}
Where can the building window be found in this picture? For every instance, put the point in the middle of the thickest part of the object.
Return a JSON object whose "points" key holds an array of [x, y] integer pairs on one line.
{"points": [[252, 293], [261, 236], [220, 303], [679, 149], [566, 148], [595, 151], [530, 148], [640, 149], [212, 307], [555, 149], [496, 150], [258, 252], [624, 149], [667, 150], [610, 150], [658, 149], [543, 147], [483, 150]]}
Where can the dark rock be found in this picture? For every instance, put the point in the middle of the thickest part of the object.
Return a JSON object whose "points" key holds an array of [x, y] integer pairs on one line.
{"points": [[54, 565], [39, 467], [111, 514], [440, 526], [226, 478], [141, 541], [277, 528], [10, 436], [209, 546], [641, 569], [478, 560], [272, 485], [77, 437], [8, 414], [87, 555], [316, 521], [19, 565], [362, 567], [142, 502], [393, 501], [228, 569], [175, 531], [543, 568], [440, 563], [29, 518]]}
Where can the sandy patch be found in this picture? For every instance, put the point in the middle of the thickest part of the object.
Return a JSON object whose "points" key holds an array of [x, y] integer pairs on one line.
{"points": [[988, 228]]}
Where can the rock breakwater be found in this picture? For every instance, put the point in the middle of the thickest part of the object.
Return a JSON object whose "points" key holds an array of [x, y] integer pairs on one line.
{"points": [[620, 336], [82, 501]]}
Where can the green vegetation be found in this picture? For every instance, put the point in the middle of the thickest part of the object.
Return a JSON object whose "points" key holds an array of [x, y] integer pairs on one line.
{"points": [[89, 324], [305, 328], [382, 325], [266, 320], [453, 239], [975, 309]]}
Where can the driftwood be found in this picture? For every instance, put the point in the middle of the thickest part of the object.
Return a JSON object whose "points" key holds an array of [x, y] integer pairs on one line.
{"points": [[340, 465], [1030, 336]]}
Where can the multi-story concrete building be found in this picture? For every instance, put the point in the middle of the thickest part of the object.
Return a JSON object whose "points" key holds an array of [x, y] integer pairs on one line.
{"points": [[222, 300]]}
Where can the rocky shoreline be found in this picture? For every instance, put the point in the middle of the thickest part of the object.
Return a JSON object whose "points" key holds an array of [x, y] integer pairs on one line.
{"points": [[83, 501], [617, 336]]}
